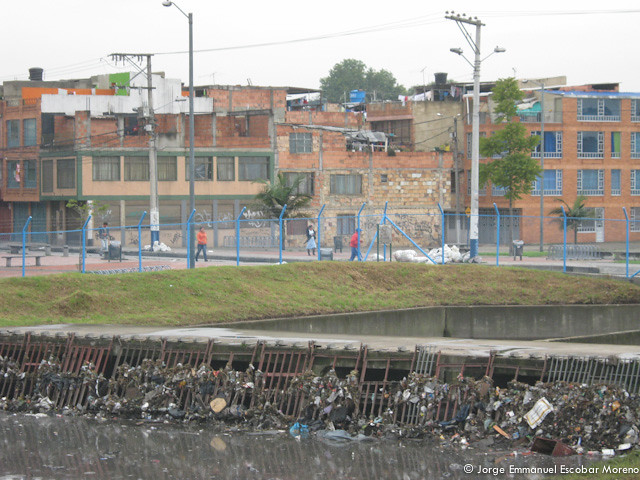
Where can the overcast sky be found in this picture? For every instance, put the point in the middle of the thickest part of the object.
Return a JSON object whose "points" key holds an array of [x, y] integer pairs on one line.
{"points": [[588, 42]]}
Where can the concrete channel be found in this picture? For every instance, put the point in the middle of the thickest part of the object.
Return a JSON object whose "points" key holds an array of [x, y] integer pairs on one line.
{"points": [[376, 349]]}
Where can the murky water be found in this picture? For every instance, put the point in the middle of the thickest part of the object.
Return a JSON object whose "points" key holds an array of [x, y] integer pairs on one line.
{"points": [[63, 447]]}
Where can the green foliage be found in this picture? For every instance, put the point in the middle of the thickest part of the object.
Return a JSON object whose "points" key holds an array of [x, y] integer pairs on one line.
{"points": [[84, 209], [225, 294], [575, 213], [514, 169], [351, 74], [278, 193]]}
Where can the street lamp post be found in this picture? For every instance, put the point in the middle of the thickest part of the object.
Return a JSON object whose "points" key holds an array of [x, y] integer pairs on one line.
{"points": [[541, 85], [192, 198], [461, 20]]}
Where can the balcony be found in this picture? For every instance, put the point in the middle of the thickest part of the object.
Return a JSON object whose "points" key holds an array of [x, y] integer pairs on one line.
{"points": [[588, 155], [598, 118], [536, 117]]}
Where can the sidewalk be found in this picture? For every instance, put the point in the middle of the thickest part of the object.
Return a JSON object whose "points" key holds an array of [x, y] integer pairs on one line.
{"points": [[177, 259]]}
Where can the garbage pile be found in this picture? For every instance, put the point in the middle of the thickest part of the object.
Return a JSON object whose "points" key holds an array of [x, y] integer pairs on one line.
{"points": [[451, 255], [465, 413]]}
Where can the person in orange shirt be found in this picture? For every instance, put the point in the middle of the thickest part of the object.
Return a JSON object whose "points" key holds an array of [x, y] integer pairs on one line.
{"points": [[202, 244]]}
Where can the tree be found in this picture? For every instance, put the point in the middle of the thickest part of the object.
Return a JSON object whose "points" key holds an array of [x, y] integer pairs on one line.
{"points": [[513, 169], [575, 213], [280, 192], [351, 74]]}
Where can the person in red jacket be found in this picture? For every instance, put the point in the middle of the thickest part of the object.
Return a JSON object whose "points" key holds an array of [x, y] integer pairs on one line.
{"points": [[355, 241], [202, 243]]}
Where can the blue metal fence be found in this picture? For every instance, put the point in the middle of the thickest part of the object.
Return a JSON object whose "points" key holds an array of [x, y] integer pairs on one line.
{"points": [[275, 237]]}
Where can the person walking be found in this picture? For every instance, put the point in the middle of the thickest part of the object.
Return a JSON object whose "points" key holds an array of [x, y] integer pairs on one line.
{"points": [[202, 244], [355, 241], [103, 234], [311, 241]]}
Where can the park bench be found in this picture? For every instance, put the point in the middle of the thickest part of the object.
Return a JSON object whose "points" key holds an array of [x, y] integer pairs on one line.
{"points": [[8, 258], [17, 247]]}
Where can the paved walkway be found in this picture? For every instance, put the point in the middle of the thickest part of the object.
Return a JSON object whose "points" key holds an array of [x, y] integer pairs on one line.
{"points": [[176, 259]]}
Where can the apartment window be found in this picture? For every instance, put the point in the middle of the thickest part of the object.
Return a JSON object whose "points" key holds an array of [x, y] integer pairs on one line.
{"points": [[136, 169], [346, 224], [635, 182], [29, 127], [202, 167], [300, 142], [30, 180], [634, 217], [590, 144], [226, 169], [14, 174], [591, 182], [615, 144], [253, 168], [599, 109], [616, 182], [635, 110], [588, 225], [66, 169], [552, 145], [306, 184], [47, 176], [498, 190], [167, 169], [106, 169], [348, 184], [552, 183], [13, 133], [635, 145]]}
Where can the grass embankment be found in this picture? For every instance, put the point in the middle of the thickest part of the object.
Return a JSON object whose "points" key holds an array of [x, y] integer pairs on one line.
{"points": [[223, 294]]}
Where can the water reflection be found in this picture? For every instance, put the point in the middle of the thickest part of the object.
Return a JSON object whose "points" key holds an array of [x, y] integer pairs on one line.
{"points": [[65, 447]]}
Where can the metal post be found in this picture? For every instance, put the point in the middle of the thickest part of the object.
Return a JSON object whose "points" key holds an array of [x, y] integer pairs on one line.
{"points": [[624, 210], [144, 214], [238, 236], [384, 246], [84, 241], [443, 226], [24, 243], [319, 229], [497, 236], [358, 230], [564, 239], [284, 209], [542, 167], [189, 244], [192, 195]]}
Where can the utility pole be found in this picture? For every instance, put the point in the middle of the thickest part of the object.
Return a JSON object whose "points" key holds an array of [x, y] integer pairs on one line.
{"points": [[154, 217], [475, 134], [154, 211]]}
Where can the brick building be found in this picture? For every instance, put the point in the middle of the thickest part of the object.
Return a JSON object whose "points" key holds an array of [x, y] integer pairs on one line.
{"points": [[87, 140], [591, 146]]}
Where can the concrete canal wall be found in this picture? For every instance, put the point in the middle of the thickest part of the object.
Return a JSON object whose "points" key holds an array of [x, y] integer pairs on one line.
{"points": [[473, 322]]}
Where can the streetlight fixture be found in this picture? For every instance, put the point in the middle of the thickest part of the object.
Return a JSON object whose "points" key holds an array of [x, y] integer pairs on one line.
{"points": [[192, 198], [461, 20], [541, 85]]}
